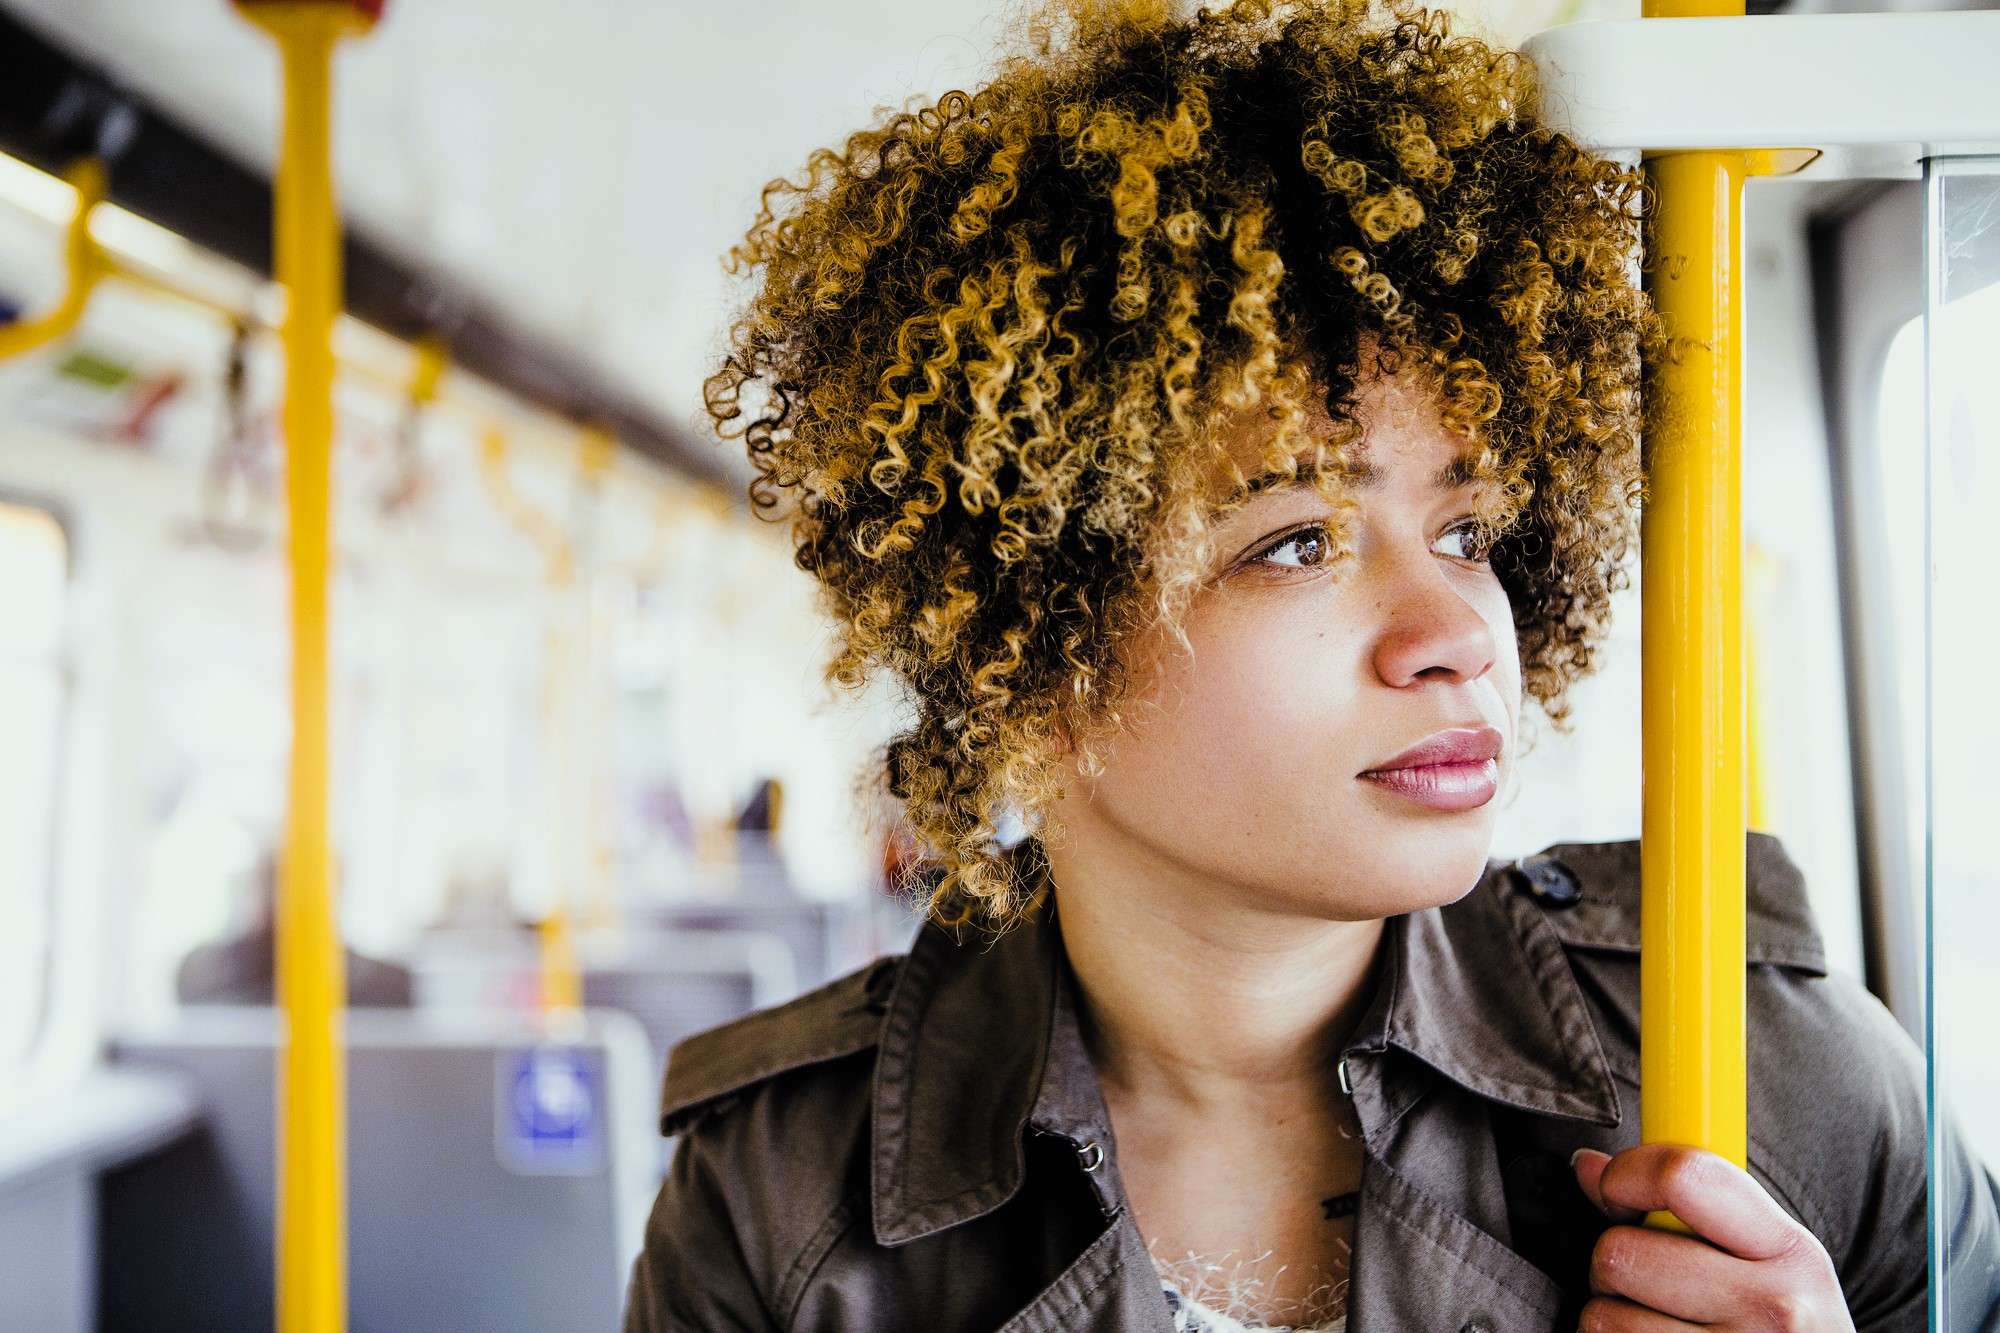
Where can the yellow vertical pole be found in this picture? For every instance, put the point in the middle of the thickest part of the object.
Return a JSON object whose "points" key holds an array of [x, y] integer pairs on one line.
{"points": [[1691, 963], [312, 1211]]}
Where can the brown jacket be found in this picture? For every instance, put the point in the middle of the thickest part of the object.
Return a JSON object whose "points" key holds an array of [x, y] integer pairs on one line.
{"points": [[923, 1145]]}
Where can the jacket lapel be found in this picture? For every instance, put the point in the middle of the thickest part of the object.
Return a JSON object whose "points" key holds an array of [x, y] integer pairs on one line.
{"points": [[980, 1046], [963, 1047], [1111, 1288], [1418, 1265], [1475, 996], [1485, 996]]}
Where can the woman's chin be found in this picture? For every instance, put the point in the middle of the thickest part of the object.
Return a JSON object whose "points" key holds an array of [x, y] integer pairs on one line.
{"points": [[1399, 874]]}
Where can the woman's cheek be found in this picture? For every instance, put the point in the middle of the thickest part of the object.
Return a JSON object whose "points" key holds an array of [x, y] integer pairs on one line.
{"points": [[1256, 708], [1489, 599]]}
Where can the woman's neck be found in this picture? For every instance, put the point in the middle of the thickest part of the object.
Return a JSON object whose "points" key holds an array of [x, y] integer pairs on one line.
{"points": [[1190, 995]]}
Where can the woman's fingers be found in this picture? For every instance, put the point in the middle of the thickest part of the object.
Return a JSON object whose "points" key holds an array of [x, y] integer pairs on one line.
{"points": [[1749, 1265], [1589, 1165], [1713, 1195], [1608, 1314], [1674, 1274]]}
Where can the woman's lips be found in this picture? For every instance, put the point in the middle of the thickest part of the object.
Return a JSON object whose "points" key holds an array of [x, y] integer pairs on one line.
{"points": [[1457, 769]]}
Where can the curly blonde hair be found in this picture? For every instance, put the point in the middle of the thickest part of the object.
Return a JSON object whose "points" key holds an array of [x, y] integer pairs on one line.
{"points": [[993, 337]]}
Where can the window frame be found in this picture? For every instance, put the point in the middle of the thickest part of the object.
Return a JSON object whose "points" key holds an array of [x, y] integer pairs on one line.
{"points": [[1868, 280]]}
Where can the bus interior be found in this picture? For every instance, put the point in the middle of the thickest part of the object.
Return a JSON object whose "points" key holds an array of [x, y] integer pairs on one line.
{"points": [[575, 682]]}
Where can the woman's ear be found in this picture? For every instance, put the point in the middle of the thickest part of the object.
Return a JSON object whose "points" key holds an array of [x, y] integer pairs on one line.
{"points": [[1062, 741]]}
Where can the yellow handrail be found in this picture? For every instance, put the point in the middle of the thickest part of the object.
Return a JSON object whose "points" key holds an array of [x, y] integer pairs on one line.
{"points": [[559, 560], [597, 449], [562, 980], [84, 261], [431, 358], [1691, 956], [312, 1202]]}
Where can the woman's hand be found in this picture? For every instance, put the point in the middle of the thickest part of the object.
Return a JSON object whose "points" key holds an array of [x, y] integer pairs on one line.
{"points": [[1752, 1268]]}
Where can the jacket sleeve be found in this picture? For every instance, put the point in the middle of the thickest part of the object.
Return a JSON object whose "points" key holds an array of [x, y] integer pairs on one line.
{"points": [[1885, 1265], [692, 1275], [1858, 1168], [1972, 1252]]}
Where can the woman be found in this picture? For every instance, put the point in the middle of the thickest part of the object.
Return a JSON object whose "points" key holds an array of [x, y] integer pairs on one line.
{"points": [[1221, 425]]}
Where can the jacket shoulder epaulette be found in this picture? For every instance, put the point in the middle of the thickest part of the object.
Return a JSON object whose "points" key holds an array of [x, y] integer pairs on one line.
{"points": [[1590, 895], [841, 1018]]}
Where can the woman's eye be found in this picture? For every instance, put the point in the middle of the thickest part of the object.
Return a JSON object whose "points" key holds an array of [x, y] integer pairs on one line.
{"points": [[1305, 549], [1462, 542]]}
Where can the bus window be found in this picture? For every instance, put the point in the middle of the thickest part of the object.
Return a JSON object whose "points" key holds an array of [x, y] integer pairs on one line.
{"points": [[1961, 434], [34, 559], [1961, 640]]}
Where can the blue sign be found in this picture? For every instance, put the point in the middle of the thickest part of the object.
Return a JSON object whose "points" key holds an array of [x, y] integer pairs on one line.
{"points": [[550, 1114]]}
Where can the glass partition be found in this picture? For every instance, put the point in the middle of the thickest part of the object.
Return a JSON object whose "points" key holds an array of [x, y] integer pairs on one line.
{"points": [[1962, 725]]}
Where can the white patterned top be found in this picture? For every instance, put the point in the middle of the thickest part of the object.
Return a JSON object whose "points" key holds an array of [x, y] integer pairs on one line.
{"points": [[1193, 1317], [1233, 1293]]}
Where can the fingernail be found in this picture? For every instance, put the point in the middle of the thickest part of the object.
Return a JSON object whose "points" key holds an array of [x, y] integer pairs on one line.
{"points": [[1576, 1157]]}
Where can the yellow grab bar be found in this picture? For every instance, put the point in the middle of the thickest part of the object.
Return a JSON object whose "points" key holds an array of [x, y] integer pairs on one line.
{"points": [[1690, 9], [430, 358], [1691, 967], [530, 519], [312, 1204], [1692, 697], [597, 450], [82, 259], [562, 979]]}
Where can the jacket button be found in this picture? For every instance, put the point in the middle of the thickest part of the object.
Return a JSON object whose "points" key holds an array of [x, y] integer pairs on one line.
{"points": [[1476, 1326], [1550, 882]]}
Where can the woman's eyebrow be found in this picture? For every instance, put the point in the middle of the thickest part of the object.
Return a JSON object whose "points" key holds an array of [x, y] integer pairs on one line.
{"points": [[1360, 472], [1453, 476]]}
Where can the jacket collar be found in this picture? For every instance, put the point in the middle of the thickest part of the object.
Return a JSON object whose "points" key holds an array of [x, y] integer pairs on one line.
{"points": [[981, 1043], [1480, 992], [1778, 927]]}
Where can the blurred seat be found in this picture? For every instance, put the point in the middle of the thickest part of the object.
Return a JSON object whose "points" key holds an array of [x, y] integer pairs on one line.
{"points": [[244, 970], [683, 982], [52, 1149], [495, 1182], [675, 983], [825, 938]]}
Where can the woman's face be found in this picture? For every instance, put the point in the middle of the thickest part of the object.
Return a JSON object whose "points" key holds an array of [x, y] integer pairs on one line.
{"points": [[1334, 743]]}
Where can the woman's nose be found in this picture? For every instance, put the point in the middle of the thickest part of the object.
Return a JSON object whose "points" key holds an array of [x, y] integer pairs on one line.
{"points": [[1429, 630]]}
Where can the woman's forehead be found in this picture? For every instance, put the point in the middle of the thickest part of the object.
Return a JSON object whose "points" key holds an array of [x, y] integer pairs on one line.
{"points": [[1400, 423]]}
